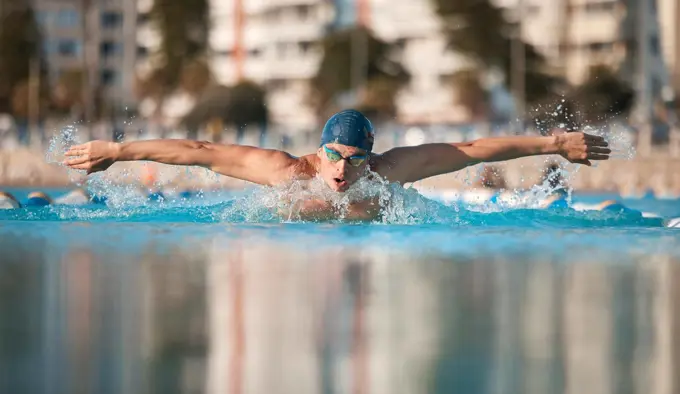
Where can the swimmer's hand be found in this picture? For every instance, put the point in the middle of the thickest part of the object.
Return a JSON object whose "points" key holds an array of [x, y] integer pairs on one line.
{"points": [[93, 156], [581, 148]]}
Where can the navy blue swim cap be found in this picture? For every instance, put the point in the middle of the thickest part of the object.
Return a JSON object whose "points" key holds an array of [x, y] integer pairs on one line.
{"points": [[351, 128]]}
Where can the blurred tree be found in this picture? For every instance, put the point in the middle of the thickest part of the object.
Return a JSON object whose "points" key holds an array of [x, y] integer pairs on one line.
{"points": [[383, 77], [602, 97], [20, 45], [247, 105], [20, 99], [378, 99], [183, 26], [195, 77], [213, 103], [68, 95], [241, 105], [469, 92], [479, 30]]}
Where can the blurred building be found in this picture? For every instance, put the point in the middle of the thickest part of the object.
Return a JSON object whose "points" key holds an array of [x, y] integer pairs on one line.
{"points": [[415, 27], [93, 36], [626, 35], [272, 42], [277, 44], [669, 15]]}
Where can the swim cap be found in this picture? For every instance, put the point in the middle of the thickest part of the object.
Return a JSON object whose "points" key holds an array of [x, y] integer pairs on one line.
{"points": [[349, 127], [38, 199]]}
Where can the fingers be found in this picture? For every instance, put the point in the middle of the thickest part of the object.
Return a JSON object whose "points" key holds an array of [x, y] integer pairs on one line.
{"points": [[82, 166], [595, 140], [592, 137], [595, 156], [584, 162], [597, 143], [78, 160], [77, 150], [79, 147], [597, 149], [74, 152]]}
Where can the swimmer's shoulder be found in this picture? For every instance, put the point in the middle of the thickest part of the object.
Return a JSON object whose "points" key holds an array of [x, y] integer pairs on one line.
{"points": [[304, 166], [382, 164]]}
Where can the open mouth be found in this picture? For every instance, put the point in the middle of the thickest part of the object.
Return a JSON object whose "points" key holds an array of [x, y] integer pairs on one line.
{"points": [[342, 184]]}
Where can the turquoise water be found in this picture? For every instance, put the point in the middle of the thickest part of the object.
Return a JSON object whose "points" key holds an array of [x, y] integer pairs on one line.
{"points": [[218, 294]]}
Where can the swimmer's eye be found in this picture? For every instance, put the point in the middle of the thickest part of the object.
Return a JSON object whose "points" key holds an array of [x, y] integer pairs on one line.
{"points": [[333, 156]]}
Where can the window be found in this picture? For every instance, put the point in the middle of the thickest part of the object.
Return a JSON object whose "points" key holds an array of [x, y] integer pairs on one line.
{"points": [[600, 6], [302, 12], [109, 77], [69, 47], [67, 18], [305, 46], [277, 84], [48, 46], [400, 44], [143, 18], [109, 48], [255, 52], [111, 19], [225, 53], [601, 46], [654, 46], [43, 18], [142, 51]]}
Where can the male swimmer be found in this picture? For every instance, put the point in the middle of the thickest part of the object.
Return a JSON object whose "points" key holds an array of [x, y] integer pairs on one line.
{"points": [[345, 155]]}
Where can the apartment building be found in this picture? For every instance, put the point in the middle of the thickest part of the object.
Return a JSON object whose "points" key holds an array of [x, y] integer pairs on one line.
{"points": [[275, 43], [669, 15], [626, 35], [97, 36], [416, 29]]}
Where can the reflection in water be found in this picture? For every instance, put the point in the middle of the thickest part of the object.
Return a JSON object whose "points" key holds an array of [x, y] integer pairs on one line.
{"points": [[232, 316]]}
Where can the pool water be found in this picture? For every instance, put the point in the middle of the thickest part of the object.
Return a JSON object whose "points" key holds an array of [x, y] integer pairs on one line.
{"points": [[219, 295]]}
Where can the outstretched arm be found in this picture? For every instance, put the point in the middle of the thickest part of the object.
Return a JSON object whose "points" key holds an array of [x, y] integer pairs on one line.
{"points": [[410, 164], [262, 166]]}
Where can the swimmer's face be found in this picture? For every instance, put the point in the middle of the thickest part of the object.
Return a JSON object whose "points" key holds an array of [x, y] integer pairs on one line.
{"points": [[336, 167]]}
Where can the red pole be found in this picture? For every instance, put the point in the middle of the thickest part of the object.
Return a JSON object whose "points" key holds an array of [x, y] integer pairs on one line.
{"points": [[364, 12], [238, 38]]}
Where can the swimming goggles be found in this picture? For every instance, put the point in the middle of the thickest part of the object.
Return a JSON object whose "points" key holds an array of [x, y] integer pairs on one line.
{"points": [[354, 161]]}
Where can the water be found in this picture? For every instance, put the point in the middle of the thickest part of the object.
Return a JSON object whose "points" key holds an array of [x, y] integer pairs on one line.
{"points": [[218, 294]]}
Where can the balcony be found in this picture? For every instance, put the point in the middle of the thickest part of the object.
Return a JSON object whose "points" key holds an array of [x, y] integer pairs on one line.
{"points": [[603, 28]]}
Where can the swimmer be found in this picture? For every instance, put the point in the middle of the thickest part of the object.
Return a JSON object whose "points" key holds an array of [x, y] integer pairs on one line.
{"points": [[345, 155], [617, 207], [7, 201], [38, 199], [74, 197]]}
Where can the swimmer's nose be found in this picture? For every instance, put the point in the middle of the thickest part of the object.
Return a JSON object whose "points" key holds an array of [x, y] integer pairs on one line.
{"points": [[342, 166]]}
